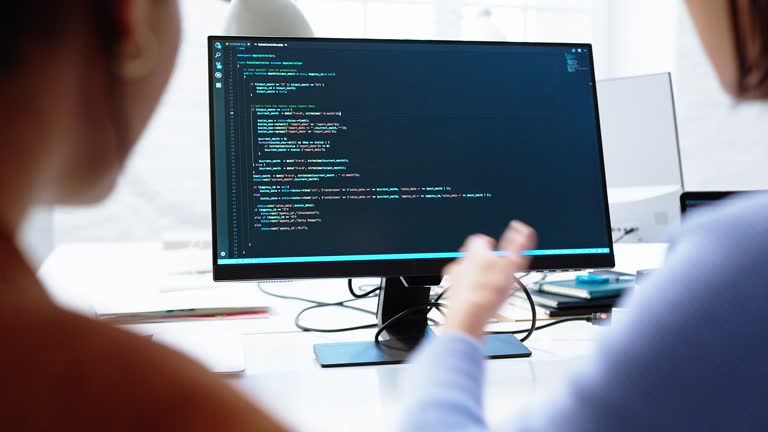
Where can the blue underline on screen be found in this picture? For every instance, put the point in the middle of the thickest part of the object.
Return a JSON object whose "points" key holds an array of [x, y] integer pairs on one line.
{"points": [[413, 256]]}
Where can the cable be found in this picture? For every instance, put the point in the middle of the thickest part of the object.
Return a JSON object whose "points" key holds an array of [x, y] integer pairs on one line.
{"points": [[365, 294], [343, 304], [437, 300], [548, 325], [590, 318], [300, 326], [527, 293], [402, 314], [626, 232], [439, 306], [445, 291], [317, 305], [433, 305], [544, 276]]}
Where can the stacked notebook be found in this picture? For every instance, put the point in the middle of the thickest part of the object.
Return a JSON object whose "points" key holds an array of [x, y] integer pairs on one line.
{"points": [[577, 297]]}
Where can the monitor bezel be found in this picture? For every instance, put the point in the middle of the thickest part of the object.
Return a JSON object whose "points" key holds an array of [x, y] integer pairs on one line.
{"points": [[714, 196], [388, 268]]}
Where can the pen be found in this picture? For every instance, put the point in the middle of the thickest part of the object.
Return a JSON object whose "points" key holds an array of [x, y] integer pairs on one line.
{"points": [[185, 314]]}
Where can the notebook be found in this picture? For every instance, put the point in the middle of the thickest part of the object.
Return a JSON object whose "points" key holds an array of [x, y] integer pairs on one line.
{"points": [[573, 288], [555, 301]]}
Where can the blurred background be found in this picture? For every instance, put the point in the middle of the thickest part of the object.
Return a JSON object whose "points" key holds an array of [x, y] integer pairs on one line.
{"points": [[164, 192]]}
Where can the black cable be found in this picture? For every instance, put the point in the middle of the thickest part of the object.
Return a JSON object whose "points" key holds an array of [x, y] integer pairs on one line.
{"points": [[437, 300], [445, 290], [402, 314], [436, 304], [514, 332], [440, 310], [626, 233], [433, 305], [546, 326], [317, 305], [527, 293], [300, 326], [365, 294]]}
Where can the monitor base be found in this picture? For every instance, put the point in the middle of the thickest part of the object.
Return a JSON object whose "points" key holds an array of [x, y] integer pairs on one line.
{"points": [[405, 333], [346, 354]]}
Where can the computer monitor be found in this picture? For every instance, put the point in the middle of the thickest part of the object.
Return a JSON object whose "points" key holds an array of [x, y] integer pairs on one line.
{"points": [[691, 201], [642, 156], [639, 127], [357, 158]]}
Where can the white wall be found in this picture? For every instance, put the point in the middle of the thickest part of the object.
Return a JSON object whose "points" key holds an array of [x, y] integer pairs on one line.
{"points": [[635, 37], [724, 144], [165, 188]]}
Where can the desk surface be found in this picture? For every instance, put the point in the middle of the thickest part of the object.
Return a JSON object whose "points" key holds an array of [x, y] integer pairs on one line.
{"points": [[281, 371]]}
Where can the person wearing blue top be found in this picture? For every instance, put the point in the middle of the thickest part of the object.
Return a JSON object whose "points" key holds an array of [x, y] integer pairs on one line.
{"points": [[690, 355]]}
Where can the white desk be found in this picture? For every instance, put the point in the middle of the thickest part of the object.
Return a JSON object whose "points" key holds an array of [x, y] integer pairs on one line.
{"points": [[281, 371]]}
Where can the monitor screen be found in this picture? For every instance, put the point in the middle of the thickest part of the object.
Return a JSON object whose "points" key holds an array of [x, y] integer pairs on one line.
{"points": [[343, 158]]}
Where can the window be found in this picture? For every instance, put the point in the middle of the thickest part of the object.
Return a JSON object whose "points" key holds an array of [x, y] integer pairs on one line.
{"points": [[452, 19]]}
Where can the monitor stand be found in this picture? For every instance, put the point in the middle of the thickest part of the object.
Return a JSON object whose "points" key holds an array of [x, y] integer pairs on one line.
{"points": [[397, 295]]}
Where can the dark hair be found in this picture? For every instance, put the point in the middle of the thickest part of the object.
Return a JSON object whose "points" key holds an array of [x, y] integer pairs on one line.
{"points": [[750, 25], [28, 26], [34, 24]]}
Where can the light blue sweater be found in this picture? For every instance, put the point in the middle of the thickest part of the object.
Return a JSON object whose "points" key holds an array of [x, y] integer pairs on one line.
{"points": [[691, 355]]}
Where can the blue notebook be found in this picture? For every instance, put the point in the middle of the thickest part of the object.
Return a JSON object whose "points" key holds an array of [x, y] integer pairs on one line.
{"points": [[573, 288]]}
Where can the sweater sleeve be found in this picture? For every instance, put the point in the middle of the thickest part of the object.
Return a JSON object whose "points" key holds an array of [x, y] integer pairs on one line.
{"points": [[444, 386], [688, 356]]}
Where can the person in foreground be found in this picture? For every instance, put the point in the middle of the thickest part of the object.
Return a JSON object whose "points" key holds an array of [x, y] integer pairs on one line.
{"points": [[691, 356], [80, 79]]}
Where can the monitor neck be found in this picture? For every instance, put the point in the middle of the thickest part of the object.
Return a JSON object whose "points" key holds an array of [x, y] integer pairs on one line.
{"points": [[397, 295]]}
